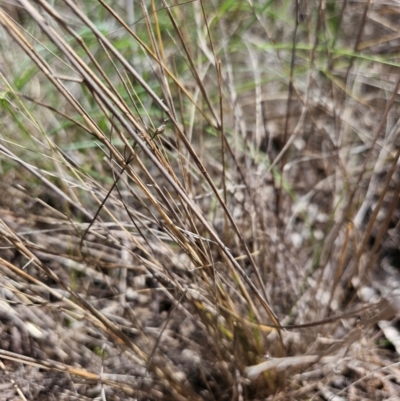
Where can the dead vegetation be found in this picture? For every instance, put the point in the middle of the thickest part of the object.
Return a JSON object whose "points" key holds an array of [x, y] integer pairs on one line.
{"points": [[199, 200]]}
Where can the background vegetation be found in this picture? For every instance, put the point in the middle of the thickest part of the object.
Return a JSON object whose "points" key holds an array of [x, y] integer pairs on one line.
{"points": [[199, 200]]}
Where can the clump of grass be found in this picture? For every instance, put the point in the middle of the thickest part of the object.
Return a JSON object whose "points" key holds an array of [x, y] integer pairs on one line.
{"points": [[192, 188]]}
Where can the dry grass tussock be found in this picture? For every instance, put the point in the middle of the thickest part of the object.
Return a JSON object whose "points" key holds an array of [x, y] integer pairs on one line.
{"points": [[199, 200]]}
